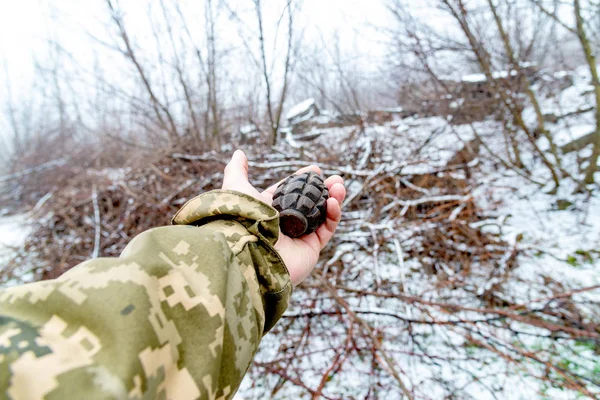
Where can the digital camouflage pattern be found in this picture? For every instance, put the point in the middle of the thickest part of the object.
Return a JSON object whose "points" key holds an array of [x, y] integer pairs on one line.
{"points": [[178, 316]]}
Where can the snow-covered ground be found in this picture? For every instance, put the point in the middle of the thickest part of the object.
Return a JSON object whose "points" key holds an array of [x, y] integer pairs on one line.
{"points": [[441, 343], [13, 232], [558, 237]]}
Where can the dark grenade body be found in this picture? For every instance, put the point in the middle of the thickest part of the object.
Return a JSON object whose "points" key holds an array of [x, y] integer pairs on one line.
{"points": [[302, 204]]}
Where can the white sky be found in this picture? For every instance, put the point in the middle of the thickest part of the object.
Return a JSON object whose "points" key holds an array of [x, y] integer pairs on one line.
{"points": [[25, 26], [21, 26]]}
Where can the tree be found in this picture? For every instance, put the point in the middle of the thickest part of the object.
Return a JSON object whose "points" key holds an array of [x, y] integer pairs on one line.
{"points": [[590, 57], [582, 32], [275, 111]]}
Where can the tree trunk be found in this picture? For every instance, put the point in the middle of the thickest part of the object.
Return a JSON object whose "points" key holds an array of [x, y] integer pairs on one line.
{"points": [[484, 61], [591, 60]]}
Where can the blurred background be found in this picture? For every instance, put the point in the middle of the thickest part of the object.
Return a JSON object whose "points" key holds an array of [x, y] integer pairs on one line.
{"points": [[468, 133]]}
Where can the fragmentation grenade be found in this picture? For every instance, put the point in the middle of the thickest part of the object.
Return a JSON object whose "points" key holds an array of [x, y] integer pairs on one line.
{"points": [[302, 204]]}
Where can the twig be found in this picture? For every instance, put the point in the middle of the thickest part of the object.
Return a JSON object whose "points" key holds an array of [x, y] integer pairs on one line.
{"points": [[97, 226], [435, 199], [389, 364], [29, 171], [400, 256]]}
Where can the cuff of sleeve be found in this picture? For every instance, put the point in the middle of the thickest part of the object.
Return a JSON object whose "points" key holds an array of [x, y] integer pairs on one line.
{"points": [[260, 220], [258, 217]]}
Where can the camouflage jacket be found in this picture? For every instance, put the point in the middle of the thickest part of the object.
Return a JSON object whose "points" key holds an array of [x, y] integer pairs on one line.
{"points": [[179, 315]]}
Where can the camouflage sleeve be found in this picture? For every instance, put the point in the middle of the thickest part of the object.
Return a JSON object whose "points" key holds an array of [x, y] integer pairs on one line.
{"points": [[178, 316]]}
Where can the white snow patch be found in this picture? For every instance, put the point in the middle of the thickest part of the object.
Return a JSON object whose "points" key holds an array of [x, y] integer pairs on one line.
{"points": [[13, 232], [247, 129], [474, 78], [300, 109], [392, 109]]}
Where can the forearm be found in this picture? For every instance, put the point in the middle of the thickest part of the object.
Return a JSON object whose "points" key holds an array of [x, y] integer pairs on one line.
{"points": [[181, 311]]}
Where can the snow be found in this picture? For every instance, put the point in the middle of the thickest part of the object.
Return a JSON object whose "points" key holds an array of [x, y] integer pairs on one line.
{"points": [[528, 64], [392, 109], [247, 129], [299, 109], [474, 78], [477, 78], [558, 245], [457, 104], [570, 133], [289, 137], [533, 215], [504, 74], [114, 175], [13, 232], [573, 105], [323, 119], [554, 246], [560, 74]]}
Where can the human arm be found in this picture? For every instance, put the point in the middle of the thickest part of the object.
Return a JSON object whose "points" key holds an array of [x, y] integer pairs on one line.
{"points": [[181, 312]]}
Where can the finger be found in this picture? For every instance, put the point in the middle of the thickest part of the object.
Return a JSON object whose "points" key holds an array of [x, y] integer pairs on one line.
{"points": [[333, 179], [334, 215], [338, 192], [236, 171], [312, 168]]}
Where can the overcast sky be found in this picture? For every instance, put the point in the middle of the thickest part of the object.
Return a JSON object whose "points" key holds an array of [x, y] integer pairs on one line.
{"points": [[26, 25]]}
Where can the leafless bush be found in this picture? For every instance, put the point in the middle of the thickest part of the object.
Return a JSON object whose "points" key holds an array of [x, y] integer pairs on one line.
{"points": [[500, 40], [416, 295], [415, 285], [413, 281]]}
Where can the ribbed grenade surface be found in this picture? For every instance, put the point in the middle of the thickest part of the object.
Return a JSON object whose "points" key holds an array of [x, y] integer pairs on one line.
{"points": [[302, 204]]}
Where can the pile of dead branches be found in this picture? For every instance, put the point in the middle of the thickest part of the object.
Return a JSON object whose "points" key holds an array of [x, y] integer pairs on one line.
{"points": [[95, 213], [415, 298], [412, 297]]}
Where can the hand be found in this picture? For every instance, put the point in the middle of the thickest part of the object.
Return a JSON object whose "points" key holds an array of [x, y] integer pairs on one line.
{"points": [[300, 255]]}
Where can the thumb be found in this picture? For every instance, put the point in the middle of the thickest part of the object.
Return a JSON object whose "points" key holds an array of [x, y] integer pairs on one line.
{"points": [[236, 171]]}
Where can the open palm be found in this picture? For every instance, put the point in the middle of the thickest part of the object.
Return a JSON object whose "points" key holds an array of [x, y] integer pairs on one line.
{"points": [[300, 254]]}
